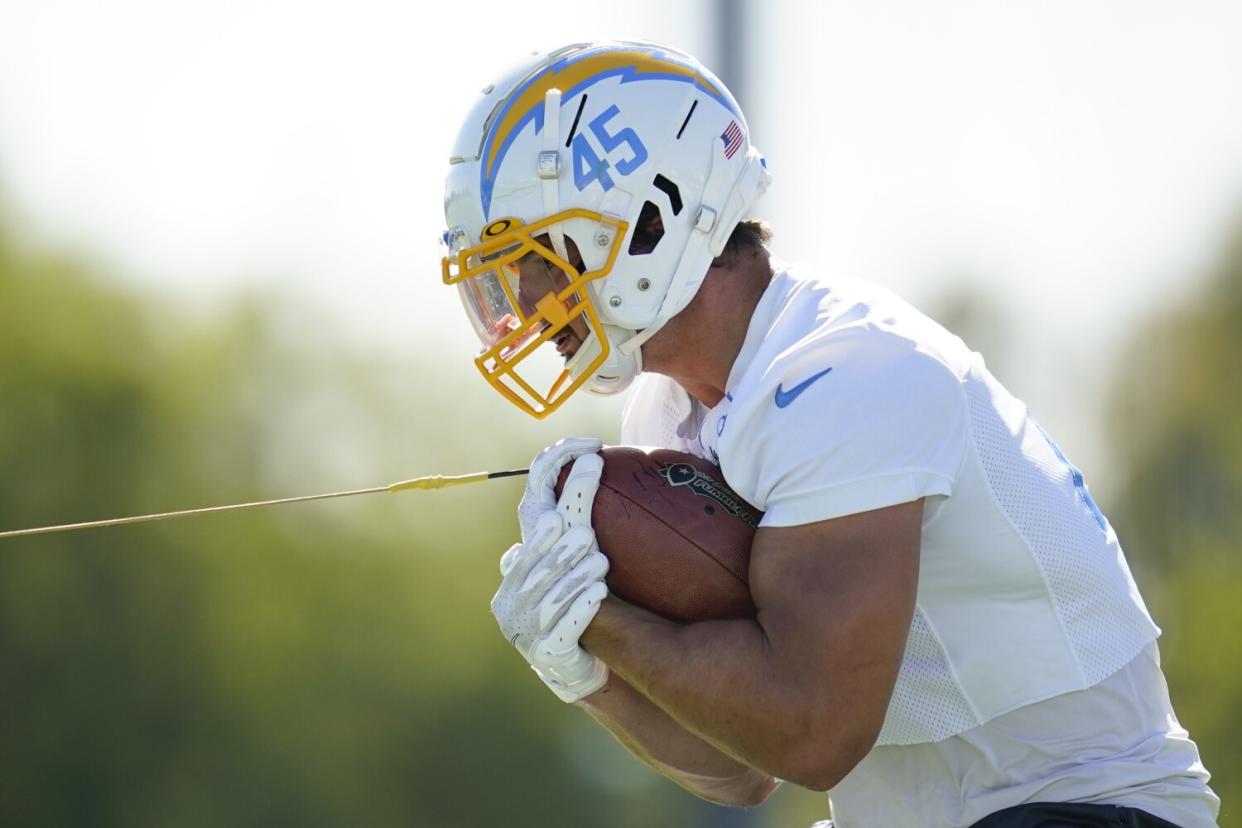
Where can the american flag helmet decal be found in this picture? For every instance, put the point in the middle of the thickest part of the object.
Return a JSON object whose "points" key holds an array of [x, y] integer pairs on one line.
{"points": [[732, 137]]}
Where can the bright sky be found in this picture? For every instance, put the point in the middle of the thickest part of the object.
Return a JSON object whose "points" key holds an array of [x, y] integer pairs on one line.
{"points": [[1077, 158]]}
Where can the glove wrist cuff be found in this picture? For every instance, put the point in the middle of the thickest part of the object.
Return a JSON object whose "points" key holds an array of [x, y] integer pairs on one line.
{"points": [[575, 691]]}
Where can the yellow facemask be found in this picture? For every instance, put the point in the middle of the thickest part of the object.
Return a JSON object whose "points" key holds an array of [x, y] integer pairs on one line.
{"points": [[519, 295]]}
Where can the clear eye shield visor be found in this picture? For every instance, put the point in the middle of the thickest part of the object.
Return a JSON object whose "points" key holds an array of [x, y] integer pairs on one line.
{"points": [[520, 296]]}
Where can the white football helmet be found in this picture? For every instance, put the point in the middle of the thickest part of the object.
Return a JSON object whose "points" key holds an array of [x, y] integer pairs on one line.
{"points": [[560, 158]]}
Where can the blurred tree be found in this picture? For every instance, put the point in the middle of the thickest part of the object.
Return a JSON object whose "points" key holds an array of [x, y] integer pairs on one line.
{"points": [[1177, 427], [317, 665]]}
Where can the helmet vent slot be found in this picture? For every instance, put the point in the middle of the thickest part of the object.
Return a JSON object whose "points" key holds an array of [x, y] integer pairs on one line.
{"points": [[669, 189], [647, 231], [688, 114], [577, 117]]}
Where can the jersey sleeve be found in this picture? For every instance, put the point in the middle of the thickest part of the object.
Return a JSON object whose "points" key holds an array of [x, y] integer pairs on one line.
{"points": [[661, 414], [886, 425]]}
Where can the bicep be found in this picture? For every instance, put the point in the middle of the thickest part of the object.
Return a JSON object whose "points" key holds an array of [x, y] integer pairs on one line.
{"points": [[835, 599]]}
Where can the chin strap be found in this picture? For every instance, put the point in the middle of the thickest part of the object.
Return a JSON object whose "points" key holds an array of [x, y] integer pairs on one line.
{"points": [[618, 369], [633, 345]]}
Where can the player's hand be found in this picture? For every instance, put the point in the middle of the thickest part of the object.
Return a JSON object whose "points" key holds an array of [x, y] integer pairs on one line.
{"points": [[580, 487], [548, 596], [553, 582]]}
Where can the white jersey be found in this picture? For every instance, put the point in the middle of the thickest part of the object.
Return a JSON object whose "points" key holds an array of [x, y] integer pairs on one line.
{"points": [[844, 399]]}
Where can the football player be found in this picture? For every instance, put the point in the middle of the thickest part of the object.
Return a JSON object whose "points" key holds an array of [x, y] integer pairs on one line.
{"points": [[947, 633]]}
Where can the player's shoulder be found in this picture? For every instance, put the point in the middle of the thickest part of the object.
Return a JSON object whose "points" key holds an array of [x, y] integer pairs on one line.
{"points": [[844, 424], [872, 384], [860, 372], [863, 327], [863, 361]]}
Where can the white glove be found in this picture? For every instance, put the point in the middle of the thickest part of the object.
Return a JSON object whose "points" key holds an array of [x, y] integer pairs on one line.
{"points": [[553, 582], [547, 598], [580, 487]]}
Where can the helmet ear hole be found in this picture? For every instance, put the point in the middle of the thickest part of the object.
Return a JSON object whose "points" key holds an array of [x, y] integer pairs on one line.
{"points": [[648, 230], [669, 189]]}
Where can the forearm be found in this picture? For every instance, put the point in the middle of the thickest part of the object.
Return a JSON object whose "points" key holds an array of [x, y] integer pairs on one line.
{"points": [[727, 683], [659, 741]]}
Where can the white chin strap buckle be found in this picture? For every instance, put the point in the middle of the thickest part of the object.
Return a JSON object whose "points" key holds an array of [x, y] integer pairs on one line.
{"points": [[618, 370]]}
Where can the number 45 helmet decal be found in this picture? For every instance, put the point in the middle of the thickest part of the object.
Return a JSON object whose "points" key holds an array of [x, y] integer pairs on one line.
{"points": [[556, 166]]}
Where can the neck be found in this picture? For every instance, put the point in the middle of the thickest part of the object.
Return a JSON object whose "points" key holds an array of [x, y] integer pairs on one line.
{"points": [[698, 346]]}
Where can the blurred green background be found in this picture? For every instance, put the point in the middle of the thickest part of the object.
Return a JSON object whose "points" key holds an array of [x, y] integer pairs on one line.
{"points": [[334, 663]]}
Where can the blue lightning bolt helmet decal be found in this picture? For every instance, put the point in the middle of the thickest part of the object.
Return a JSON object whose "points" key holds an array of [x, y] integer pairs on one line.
{"points": [[572, 75]]}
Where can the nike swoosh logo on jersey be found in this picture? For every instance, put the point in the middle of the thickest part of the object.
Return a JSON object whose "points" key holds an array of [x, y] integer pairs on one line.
{"points": [[784, 398]]}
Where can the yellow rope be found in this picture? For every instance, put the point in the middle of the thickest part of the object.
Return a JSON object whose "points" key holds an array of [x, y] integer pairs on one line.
{"points": [[435, 481]]}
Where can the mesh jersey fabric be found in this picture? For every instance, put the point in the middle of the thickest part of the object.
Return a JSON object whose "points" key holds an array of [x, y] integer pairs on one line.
{"points": [[1117, 742]]}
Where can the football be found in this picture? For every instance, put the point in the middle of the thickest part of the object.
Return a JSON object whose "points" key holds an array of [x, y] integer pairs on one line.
{"points": [[676, 537]]}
